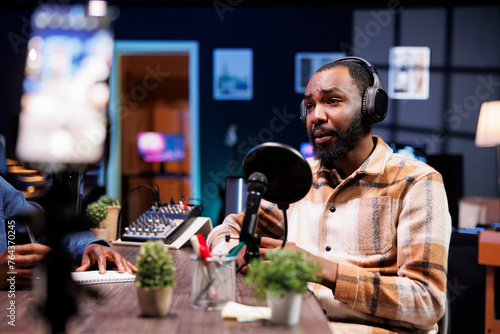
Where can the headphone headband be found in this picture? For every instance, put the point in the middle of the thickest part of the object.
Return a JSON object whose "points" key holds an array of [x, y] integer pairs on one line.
{"points": [[375, 100]]}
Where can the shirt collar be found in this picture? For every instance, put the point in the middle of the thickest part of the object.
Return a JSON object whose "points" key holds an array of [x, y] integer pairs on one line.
{"points": [[376, 161]]}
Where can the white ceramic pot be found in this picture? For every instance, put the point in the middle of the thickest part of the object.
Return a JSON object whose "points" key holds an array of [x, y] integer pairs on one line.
{"points": [[154, 302], [285, 310]]}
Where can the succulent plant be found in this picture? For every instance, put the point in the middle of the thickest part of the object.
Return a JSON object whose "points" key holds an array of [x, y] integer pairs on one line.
{"points": [[282, 271], [97, 212], [155, 268]]}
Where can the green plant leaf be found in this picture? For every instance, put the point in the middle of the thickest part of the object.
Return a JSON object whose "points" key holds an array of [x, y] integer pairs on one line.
{"points": [[155, 268], [108, 200], [97, 212], [282, 271]]}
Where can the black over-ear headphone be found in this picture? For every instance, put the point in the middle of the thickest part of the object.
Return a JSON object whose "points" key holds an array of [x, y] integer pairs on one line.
{"points": [[375, 99]]}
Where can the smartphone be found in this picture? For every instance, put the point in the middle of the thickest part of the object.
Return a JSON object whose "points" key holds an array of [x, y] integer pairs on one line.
{"points": [[62, 123]]}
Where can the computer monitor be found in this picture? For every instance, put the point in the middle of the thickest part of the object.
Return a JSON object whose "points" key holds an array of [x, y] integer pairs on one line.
{"points": [[160, 147], [235, 195]]}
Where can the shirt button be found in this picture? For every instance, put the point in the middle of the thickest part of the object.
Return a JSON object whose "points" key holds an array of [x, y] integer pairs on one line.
{"points": [[332, 209], [328, 248]]}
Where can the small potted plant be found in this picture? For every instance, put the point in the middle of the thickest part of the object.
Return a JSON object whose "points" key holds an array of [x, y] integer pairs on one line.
{"points": [[104, 215], [97, 212], [282, 279], [111, 220], [154, 280]]}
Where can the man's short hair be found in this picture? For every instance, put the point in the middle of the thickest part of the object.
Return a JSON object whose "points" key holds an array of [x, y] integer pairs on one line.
{"points": [[362, 77]]}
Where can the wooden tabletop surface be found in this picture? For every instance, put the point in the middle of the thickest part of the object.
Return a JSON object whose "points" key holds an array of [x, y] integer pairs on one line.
{"points": [[116, 309]]}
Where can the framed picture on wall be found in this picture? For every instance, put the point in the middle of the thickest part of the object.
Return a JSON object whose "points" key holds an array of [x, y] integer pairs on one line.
{"points": [[409, 73], [306, 63], [233, 74]]}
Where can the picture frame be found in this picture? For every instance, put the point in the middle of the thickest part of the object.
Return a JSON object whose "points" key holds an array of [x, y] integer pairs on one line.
{"points": [[233, 74], [409, 73], [306, 63]]}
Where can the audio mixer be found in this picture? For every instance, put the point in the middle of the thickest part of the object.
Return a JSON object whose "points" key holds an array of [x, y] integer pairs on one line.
{"points": [[161, 222]]}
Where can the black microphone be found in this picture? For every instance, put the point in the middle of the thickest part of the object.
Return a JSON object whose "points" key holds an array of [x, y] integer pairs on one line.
{"points": [[256, 186]]}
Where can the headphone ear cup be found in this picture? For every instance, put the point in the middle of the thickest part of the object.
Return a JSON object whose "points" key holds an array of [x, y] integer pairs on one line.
{"points": [[364, 105], [369, 105], [381, 104], [375, 102]]}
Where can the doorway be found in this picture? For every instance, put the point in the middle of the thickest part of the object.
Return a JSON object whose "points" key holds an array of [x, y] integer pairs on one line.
{"points": [[154, 89]]}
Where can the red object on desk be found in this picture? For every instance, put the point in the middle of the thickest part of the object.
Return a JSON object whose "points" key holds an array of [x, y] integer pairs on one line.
{"points": [[489, 255], [204, 249]]}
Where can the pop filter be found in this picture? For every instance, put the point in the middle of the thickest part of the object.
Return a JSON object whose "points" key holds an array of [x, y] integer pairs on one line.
{"points": [[289, 176]]}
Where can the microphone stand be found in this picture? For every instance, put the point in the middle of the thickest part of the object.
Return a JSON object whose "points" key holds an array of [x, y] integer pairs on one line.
{"points": [[252, 252], [257, 183], [253, 243], [284, 208]]}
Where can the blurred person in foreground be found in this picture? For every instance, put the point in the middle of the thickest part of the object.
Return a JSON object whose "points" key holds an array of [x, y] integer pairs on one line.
{"points": [[82, 247]]}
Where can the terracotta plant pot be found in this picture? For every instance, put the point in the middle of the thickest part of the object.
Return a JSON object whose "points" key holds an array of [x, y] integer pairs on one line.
{"points": [[111, 222], [100, 233], [285, 310], [154, 302]]}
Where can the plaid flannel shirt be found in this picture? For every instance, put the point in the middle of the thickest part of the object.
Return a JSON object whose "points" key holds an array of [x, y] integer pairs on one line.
{"points": [[387, 226]]}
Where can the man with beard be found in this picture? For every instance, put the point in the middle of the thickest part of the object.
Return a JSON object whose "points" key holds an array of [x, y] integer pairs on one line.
{"points": [[376, 221]]}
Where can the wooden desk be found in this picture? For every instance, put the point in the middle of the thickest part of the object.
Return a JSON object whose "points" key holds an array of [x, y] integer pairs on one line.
{"points": [[489, 255], [117, 311]]}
